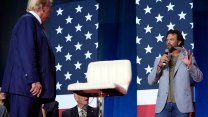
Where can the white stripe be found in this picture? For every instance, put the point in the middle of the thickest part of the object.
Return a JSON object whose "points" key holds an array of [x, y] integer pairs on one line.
{"points": [[68, 101], [146, 97]]}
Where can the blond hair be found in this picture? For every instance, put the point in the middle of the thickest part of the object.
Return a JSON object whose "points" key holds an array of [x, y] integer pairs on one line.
{"points": [[35, 5]]}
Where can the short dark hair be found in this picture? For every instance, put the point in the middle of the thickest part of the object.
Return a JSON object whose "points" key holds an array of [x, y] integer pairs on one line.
{"points": [[179, 36]]}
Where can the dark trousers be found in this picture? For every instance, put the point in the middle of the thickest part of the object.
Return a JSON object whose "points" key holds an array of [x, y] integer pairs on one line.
{"points": [[22, 106]]}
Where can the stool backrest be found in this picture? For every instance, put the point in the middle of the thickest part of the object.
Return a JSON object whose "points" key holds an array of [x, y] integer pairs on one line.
{"points": [[114, 71]]}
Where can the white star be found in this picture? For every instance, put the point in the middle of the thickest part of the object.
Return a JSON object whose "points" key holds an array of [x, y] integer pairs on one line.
{"points": [[147, 9], [191, 5], [184, 35], [148, 49], [96, 45], [88, 35], [192, 46], [68, 20], [59, 29], [159, 38], [139, 60], [171, 26], [78, 65], [68, 37], [97, 6], [148, 69], [139, 80], [148, 29], [58, 48], [138, 20], [158, 56], [170, 6], [159, 18], [88, 17], [85, 75], [79, 9], [192, 25], [59, 11], [97, 25], [138, 40], [158, 1], [137, 2], [58, 67], [68, 56], [182, 15], [88, 55], [67, 76], [78, 27], [58, 86], [78, 46]]}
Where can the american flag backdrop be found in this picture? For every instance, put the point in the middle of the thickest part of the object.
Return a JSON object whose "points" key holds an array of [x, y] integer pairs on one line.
{"points": [[73, 33], [153, 19]]}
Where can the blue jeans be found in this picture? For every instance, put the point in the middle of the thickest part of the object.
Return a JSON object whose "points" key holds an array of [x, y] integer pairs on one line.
{"points": [[171, 110]]}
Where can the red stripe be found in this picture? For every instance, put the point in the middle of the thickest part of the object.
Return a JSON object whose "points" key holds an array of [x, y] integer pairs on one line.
{"points": [[60, 112], [146, 110]]}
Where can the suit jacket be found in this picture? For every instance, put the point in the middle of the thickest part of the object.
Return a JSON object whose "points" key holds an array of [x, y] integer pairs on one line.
{"points": [[51, 109], [30, 60], [73, 112], [3, 111], [183, 78]]}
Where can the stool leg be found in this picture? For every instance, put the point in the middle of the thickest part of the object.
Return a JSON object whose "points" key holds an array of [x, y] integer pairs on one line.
{"points": [[100, 105]]}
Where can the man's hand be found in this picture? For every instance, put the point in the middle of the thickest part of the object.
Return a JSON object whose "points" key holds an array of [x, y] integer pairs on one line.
{"points": [[36, 89], [163, 59], [187, 59]]}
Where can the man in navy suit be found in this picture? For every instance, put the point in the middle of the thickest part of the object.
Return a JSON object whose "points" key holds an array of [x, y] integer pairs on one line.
{"points": [[29, 76], [82, 109]]}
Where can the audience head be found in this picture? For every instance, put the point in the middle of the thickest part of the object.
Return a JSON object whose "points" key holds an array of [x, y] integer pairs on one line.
{"points": [[82, 101], [2, 96]]}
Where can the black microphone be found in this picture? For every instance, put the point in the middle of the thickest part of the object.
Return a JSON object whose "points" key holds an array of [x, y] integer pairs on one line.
{"points": [[168, 51]]}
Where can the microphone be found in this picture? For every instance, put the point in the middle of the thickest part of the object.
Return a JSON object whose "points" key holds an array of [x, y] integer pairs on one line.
{"points": [[168, 51]]}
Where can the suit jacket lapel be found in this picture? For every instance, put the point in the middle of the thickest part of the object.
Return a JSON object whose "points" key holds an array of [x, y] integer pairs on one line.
{"points": [[178, 63], [75, 112], [89, 112]]}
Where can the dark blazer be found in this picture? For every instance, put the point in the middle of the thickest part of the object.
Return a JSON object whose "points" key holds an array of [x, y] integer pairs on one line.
{"points": [[51, 109], [3, 111], [30, 60], [73, 112]]}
